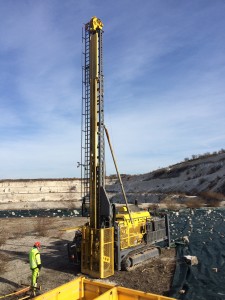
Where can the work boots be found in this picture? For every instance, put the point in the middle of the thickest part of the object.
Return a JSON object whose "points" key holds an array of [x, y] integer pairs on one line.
{"points": [[33, 290]]}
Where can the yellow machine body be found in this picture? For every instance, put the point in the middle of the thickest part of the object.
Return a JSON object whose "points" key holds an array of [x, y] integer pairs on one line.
{"points": [[85, 289], [131, 233], [97, 252]]}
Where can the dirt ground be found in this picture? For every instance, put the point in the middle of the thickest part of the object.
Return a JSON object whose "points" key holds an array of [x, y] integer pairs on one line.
{"points": [[17, 236], [154, 276]]}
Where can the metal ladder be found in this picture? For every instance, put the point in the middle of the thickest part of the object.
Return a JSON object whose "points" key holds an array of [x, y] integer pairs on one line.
{"points": [[85, 120]]}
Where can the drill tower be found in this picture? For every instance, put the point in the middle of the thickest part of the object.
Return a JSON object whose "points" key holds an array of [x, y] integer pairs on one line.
{"points": [[97, 243], [124, 237]]}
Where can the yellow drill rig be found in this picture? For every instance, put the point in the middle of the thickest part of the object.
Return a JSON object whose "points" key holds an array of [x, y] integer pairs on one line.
{"points": [[116, 237]]}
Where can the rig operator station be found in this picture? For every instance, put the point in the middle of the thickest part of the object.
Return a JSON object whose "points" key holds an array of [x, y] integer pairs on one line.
{"points": [[117, 237]]}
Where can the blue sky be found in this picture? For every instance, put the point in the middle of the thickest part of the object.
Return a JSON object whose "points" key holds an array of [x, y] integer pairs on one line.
{"points": [[164, 67]]}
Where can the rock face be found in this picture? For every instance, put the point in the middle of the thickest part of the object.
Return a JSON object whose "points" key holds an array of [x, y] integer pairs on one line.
{"points": [[183, 180], [189, 178], [40, 193]]}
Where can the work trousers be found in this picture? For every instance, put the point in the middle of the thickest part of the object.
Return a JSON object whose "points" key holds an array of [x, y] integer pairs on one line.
{"points": [[35, 275]]}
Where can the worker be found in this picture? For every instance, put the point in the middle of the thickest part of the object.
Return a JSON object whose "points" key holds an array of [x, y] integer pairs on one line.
{"points": [[35, 265]]}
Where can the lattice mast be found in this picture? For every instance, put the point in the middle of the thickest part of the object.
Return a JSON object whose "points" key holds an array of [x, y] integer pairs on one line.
{"points": [[97, 246], [93, 148]]}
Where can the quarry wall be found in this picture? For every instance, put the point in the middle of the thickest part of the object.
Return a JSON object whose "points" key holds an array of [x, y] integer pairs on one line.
{"points": [[40, 192]]}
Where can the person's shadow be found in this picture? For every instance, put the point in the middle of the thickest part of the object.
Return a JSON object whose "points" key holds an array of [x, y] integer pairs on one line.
{"points": [[12, 283]]}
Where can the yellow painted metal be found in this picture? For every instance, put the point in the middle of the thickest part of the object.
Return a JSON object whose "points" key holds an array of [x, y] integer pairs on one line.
{"points": [[71, 229], [93, 127], [93, 289], [86, 289], [131, 233], [95, 24], [71, 290], [97, 252]]}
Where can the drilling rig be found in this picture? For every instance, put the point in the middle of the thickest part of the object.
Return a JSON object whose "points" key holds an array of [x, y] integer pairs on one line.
{"points": [[116, 237]]}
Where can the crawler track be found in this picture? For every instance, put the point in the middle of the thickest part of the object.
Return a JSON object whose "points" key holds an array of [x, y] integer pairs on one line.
{"points": [[134, 258]]}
